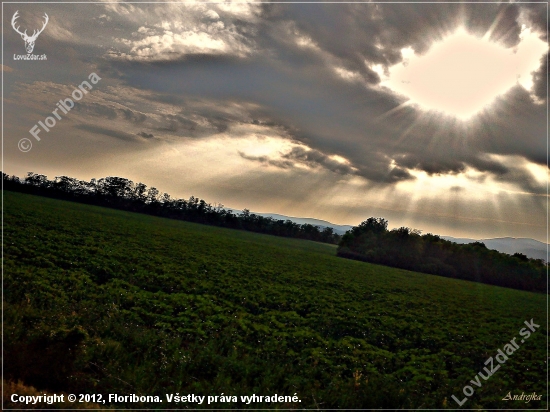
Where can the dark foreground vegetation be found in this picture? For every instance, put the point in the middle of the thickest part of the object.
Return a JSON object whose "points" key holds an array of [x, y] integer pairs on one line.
{"points": [[124, 194], [404, 248], [370, 241], [103, 301]]}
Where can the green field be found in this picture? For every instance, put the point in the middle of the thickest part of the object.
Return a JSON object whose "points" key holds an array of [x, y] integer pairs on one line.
{"points": [[101, 301]]}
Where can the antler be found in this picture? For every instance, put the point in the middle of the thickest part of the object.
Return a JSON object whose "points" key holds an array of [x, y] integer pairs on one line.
{"points": [[35, 33], [15, 17]]}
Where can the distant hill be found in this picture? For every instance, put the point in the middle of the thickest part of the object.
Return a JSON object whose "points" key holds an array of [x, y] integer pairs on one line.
{"points": [[339, 229], [529, 247]]}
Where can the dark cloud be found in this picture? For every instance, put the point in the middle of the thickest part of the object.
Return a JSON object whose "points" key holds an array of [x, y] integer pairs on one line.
{"points": [[282, 164], [515, 126], [109, 111], [536, 14], [376, 33], [278, 71], [431, 166], [397, 174], [107, 132], [524, 180], [178, 122], [314, 158], [500, 20], [133, 116], [487, 165], [220, 123], [540, 77], [296, 88], [97, 109]]}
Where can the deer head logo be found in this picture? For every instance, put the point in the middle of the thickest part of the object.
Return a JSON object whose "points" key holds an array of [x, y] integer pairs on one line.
{"points": [[29, 40]]}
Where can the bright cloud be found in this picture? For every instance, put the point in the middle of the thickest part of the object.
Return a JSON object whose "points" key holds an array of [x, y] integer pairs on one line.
{"points": [[463, 74]]}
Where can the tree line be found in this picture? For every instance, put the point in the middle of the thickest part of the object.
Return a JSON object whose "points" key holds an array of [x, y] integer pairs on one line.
{"points": [[124, 194], [406, 248]]}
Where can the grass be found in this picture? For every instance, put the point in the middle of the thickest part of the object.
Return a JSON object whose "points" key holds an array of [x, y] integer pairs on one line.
{"points": [[103, 301]]}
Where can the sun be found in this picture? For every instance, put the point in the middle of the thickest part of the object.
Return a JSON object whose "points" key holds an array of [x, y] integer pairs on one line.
{"points": [[463, 74]]}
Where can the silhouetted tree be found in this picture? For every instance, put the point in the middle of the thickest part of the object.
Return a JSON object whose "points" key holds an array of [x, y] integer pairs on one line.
{"points": [[405, 248], [121, 193]]}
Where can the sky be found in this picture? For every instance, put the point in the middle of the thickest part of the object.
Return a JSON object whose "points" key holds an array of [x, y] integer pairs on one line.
{"points": [[433, 116]]}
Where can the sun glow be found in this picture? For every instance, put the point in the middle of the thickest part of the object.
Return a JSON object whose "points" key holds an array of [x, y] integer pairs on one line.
{"points": [[463, 74]]}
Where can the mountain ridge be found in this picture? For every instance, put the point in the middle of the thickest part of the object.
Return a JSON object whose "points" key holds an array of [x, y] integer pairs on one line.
{"points": [[529, 247]]}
